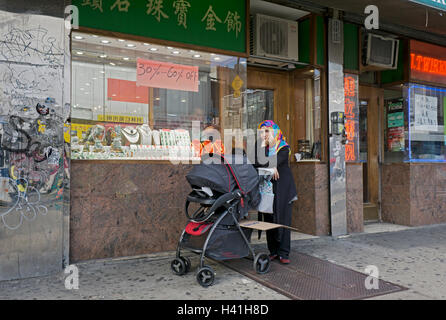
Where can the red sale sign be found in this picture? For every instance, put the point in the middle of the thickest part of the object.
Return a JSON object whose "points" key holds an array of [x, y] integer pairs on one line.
{"points": [[166, 75]]}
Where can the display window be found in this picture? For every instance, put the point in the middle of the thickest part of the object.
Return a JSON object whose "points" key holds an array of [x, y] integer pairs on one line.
{"points": [[426, 139], [137, 100]]}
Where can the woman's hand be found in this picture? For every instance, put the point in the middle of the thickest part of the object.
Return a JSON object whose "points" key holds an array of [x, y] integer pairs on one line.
{"points": [[276, 174]]}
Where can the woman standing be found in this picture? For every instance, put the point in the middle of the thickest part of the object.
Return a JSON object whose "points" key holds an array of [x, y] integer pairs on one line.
{"points": [[277, 152]]}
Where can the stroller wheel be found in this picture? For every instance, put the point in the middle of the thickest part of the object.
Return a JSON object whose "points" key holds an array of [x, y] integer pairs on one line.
{"points": [[178, 266], [261, 263], [205, 276], [187, 262]]}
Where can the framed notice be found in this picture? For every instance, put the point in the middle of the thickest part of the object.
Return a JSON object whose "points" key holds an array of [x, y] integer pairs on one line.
{"points": [[426, 113]]}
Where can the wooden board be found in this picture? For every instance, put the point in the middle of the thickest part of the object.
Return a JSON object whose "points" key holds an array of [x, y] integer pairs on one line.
{"points": [[263, 226]]}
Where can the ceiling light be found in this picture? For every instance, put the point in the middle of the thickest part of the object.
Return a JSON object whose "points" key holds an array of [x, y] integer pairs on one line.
{"points": [[87, 84], [153, 49], [147, 44], [102, 72], [170, 48], [78, 37], [121, 40], [197, 56], [243, 62], [81, 89], [94, 36], [112, 64], [212, 54], [126, 58], [183, 100], [217, 58], [176, 52], [130, 45], [79, 53], [105, 41], [94, 78], [103, 56]]}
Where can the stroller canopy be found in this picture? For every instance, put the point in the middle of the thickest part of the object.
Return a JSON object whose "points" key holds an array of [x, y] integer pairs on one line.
{"points": [[233, 173]]}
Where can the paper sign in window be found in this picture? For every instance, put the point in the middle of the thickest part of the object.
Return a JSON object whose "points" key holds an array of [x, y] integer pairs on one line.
{"points": [[166, 75], [126, 91]]}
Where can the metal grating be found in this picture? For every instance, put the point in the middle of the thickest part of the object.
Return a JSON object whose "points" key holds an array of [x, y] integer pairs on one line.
{"points": [[310, 278]]}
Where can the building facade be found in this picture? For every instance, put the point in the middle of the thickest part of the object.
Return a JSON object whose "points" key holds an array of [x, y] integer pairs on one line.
{"points": [[101, 121]]}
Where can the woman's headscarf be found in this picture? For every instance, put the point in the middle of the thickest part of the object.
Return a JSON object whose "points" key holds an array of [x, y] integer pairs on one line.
{"points": [[279, 141]]}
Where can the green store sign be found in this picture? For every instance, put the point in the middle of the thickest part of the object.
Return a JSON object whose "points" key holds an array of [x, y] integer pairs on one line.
{"points": [[437, 4], [219, 24]]}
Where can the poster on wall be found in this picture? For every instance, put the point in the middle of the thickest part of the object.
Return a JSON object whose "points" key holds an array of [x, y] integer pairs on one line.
{"points": [[395, 139], [395, 119], [426, 113]]}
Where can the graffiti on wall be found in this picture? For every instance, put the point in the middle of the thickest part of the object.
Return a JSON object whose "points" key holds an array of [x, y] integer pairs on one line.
{"points": [[32, 151]]}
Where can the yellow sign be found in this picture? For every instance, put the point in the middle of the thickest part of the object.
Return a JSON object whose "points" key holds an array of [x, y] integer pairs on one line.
{"points": [[121, 119], [79, 129], [237, 84]]}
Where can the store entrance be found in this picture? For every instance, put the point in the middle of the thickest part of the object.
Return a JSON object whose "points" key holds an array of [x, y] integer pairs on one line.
{"points": [[370, 102]]}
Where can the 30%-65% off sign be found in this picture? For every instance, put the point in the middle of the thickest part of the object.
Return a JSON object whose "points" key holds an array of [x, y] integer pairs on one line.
{"points": [[157, 74]]}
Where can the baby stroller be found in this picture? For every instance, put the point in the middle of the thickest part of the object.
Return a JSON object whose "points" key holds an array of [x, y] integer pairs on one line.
{"points": [[223, 194]]}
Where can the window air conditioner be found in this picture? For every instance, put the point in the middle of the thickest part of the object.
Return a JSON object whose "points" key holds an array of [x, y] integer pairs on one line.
{"points": [[381, 52], [274, 37]]}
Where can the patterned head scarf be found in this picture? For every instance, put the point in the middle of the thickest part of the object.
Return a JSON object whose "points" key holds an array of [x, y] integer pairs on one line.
{"points": [[279, 142]]}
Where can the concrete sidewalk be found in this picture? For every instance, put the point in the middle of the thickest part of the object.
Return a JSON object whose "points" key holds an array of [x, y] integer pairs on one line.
{"points": [[411, 257]]}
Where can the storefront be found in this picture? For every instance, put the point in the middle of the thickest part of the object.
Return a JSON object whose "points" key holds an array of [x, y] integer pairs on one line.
{"points": [[141, 98], [399, 129]]}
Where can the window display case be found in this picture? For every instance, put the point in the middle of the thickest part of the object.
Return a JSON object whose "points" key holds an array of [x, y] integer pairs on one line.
{"points": [[141, 101]]}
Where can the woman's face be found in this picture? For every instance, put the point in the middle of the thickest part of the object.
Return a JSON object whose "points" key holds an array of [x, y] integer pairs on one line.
{"points": [[267, 136]]}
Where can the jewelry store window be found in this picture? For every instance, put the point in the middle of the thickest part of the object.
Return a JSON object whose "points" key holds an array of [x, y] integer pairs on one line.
{"points": [[142, 101]]}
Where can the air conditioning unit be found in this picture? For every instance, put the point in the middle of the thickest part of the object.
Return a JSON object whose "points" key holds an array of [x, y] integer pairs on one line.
{"points": [[380, 52], [274, 37]]}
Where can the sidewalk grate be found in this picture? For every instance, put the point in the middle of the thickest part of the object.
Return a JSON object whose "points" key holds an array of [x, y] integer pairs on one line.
{"points": [[310, 278]]}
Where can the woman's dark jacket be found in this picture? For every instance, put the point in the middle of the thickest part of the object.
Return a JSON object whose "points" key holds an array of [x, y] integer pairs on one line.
{"points": [[284, 188]]}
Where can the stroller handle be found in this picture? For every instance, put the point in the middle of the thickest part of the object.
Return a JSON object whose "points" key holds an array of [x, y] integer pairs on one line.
{"points": [[236, 194]]}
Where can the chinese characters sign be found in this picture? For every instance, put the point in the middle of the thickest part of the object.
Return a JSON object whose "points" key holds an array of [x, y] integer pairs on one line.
{"points": [[351, 117], [166, 75], [209, 23]]}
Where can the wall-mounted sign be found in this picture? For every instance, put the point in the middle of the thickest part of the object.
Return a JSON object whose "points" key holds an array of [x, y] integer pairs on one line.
{"points": [[427, 62], [351, 121], [164, 75], [208, 23], [437, 4]]}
